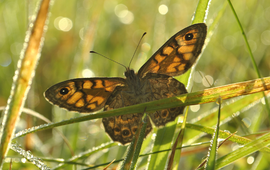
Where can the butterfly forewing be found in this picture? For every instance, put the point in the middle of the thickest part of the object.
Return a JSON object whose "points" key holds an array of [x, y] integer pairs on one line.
{"points": [[83, 95], [178, 54]]}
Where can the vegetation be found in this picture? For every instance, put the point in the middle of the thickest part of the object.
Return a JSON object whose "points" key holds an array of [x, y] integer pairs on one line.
{"points": [[113, 28]]}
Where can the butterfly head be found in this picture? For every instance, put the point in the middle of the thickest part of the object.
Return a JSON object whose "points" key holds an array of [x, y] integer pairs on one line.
{"points": [[130, 74]]}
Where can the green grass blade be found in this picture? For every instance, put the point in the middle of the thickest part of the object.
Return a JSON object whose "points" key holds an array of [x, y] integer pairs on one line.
{"points": [[176, 155], [85, 154], [135, 146], [200, 97], [247, 149], [201, 11], [139, 143], [214, 144], [223, 135], [237, 106], [162, 142], [159, 161], [250, 53]]}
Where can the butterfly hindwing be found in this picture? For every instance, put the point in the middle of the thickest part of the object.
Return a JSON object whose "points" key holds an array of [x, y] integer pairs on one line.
{"points": [[122, 128], [84, 94], [163, 86], [178, 54]]}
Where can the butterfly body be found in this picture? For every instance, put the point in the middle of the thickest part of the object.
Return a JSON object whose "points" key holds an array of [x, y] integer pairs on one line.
{"points": [[138, 90], [153, 81]]}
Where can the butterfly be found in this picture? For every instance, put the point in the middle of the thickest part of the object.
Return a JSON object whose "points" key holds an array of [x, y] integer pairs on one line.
{"points": [[153, 81]]}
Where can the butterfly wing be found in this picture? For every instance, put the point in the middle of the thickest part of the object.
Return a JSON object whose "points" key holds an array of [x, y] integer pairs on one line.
{"points": [[84, 94], [178, 54]]}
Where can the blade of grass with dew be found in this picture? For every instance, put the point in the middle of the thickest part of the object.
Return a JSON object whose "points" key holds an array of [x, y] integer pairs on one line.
{"points": [[86, 154], [247, 149], [41, 117], [200, 97], [201, 11], [223, 134], [210, 165], [220, 144], [228, 110], [30, 157], [23, 76]]}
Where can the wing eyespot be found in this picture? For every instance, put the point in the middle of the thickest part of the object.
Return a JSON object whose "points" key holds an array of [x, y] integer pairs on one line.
{"points": [[64, 91], [126, 132], [189, 36], [134, 129]]}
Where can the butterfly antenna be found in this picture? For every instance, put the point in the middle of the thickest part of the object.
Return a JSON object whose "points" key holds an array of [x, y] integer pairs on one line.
{"points": [[109, 59], [136, 49]]}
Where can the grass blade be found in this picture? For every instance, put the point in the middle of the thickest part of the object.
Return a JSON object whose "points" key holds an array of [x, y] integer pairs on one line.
{"points": [[135, 146], [23, 77], [214, 143], [200, 97], [250, 52], [247, 149]]}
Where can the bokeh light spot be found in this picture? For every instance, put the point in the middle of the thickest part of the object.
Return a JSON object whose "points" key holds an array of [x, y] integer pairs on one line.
{"points": [[250, 160], [207, 81], [123, 14], [195, 108], [88, 73], [63, 24], [265, 37], [163, 9]]}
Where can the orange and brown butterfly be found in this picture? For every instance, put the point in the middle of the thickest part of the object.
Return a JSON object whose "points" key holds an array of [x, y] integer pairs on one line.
{"points": [[153, 81]]}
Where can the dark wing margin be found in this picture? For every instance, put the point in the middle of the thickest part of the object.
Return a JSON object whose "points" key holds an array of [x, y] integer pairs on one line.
{"points": [[178, 54]]}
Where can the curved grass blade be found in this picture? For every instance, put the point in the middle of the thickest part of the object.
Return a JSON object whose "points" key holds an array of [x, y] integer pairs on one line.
{"points": [[30, 157], [41, 117]]}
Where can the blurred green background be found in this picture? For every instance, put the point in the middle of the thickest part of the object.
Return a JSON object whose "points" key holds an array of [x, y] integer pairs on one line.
{"points": [[113, 28]]}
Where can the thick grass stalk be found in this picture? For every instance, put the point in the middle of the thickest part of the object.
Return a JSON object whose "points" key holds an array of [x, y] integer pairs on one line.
{"points": [[23, 77]]}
